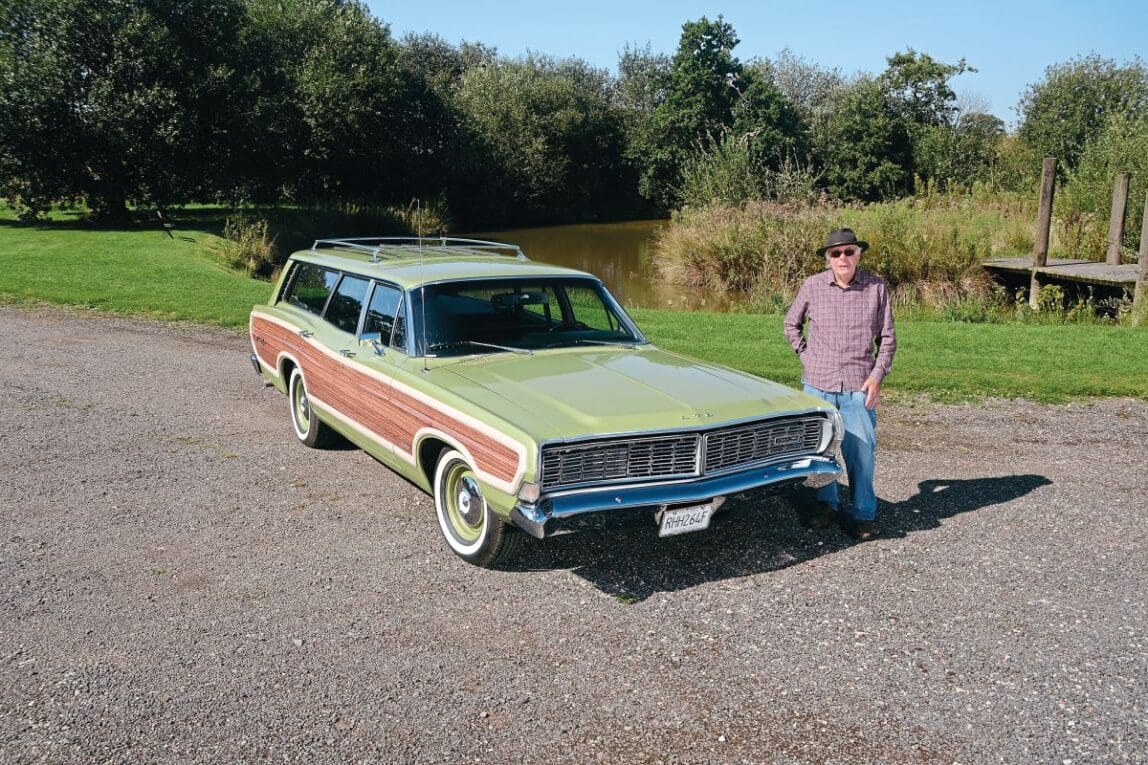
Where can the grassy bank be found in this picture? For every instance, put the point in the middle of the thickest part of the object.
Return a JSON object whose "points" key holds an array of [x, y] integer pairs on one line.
{"points": [[144, 272]]}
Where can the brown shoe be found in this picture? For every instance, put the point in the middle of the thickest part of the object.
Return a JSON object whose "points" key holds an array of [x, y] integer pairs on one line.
{"points": [[862, 530], [820, 517]]}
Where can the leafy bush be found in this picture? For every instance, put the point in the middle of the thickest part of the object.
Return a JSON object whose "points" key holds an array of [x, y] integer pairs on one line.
{"points": [[1084, 204]]}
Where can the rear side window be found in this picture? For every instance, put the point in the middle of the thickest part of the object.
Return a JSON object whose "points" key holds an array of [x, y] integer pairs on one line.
{"points": [[347, 304], [311, 287]]}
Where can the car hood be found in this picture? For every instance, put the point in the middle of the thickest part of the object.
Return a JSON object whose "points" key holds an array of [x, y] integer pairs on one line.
{"points": [[568, 394]]}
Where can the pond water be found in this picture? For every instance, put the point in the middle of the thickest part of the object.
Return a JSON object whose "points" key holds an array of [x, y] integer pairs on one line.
{"points": [[620, 254]]}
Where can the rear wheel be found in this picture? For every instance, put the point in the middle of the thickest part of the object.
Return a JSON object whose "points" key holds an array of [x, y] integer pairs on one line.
{"points": [[308, 429], [473, 531]]}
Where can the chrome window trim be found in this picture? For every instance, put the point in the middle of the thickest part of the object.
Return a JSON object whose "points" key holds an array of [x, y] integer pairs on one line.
{"points": [[610, 301]]}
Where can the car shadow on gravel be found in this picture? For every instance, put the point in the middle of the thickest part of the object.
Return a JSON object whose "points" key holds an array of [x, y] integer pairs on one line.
{"points": [[632, 563]]}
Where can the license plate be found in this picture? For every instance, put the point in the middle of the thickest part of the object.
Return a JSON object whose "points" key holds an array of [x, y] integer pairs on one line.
{"points": [[685, 519]]}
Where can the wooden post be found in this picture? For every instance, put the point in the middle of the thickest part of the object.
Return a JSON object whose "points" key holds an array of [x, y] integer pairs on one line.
{"points": [[1140, 302], [1116, 222], [1043, 225]]}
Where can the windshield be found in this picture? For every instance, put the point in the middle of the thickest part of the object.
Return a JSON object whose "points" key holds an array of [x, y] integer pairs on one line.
{"points": [[517, 315]]}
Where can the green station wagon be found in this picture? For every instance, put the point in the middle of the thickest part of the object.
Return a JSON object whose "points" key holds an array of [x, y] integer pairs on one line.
{"points": [[520, 395]]}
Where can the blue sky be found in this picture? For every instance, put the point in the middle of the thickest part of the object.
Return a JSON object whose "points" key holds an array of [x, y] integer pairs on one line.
{"points": [[1010, 43]]}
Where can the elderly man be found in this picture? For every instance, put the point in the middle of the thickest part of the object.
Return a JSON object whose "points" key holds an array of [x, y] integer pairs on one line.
{"points": [[845, 355]]}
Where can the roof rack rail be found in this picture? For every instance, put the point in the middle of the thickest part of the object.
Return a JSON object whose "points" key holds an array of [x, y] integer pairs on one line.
{"points": [[381, 247]]}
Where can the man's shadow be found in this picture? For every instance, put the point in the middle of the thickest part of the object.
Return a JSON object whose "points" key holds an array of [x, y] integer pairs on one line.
{"points": [[749, 536]]}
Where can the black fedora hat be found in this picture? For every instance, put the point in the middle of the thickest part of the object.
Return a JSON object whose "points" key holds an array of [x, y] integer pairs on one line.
{"points": [[842, 236]]}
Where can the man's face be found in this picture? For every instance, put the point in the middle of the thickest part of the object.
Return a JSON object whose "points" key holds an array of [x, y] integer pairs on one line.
{"points": [[843, 261]]}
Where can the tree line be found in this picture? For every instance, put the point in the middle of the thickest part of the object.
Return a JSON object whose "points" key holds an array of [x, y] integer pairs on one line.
{"points": [[158, 103]]}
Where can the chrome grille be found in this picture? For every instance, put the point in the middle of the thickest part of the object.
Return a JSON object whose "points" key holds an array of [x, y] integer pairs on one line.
{"points": [[758, 441], [622, 460]]}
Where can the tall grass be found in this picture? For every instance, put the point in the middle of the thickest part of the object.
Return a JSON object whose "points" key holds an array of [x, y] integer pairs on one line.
{"points": [[248, 246], [929, 248]]}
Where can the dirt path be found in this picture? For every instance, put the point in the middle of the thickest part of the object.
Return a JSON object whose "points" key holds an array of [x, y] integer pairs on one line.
{"points": [[181, 582]]}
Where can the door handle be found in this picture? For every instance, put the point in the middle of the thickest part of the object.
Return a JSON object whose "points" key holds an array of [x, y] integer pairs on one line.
{"points": [[347, 354], [305, 333]]}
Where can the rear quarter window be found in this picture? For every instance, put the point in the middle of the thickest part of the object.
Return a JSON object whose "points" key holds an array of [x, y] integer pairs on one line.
{"points": [[311, 286]]}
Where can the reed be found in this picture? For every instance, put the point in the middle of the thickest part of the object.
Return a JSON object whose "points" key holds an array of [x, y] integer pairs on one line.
{"points": [[929, 248]]}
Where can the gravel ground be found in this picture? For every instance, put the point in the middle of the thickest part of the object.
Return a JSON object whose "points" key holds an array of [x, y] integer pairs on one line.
{"points": [[182, 582]]}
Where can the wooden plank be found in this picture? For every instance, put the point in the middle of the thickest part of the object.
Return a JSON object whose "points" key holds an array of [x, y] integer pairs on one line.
{"points": [[1025, 264], [1095, 273], [1070, 269]]}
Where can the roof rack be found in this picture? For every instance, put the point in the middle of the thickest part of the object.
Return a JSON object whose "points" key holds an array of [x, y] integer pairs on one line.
{"points": [[383, 247]]}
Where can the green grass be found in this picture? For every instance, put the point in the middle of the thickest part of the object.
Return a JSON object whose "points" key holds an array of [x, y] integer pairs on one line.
{"points": [[124, 271], [144, 272], [945, 360]]}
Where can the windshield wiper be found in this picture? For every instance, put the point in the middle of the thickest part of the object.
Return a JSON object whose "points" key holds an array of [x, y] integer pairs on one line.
{"points": [[614, 343], [455, 343]]}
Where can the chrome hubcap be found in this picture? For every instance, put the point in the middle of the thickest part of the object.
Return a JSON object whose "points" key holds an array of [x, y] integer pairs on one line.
{"points": [[469, 501]]}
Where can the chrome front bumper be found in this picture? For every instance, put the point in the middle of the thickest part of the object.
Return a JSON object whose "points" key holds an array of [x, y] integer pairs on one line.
{"points": [[566, 512]]}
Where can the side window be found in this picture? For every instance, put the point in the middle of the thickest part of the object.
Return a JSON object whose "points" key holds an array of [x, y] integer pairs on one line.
{"points": [[347, 304], [311, 287], [385, 317], [589, 310]]}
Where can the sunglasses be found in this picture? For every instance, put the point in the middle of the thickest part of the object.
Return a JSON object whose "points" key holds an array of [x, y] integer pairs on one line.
{"points": [[847, 251]]}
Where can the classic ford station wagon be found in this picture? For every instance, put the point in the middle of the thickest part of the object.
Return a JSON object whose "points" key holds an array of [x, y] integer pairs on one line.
{"points": [[520, 395]]}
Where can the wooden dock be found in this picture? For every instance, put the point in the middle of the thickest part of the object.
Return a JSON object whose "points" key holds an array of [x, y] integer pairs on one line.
{"points": [[1071, 270]]}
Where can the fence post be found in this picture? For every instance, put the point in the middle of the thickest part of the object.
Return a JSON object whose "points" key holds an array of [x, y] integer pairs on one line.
{"points": [[1140, 301], [1116, 222], [1043, 224]]}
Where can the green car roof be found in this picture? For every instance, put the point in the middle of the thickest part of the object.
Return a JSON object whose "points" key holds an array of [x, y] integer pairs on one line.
{"points": [[408, 267]]}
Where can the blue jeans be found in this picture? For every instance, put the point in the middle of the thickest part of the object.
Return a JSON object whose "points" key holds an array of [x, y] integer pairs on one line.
{"points": [[859, 450]]}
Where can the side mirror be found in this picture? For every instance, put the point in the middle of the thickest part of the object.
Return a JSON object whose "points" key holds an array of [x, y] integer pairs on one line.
{"points": [[375, 340]]}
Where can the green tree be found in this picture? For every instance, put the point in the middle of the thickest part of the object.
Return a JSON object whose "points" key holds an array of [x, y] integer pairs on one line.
{"points": [[643, 77], [343, 117], [118, 101], [1069, 108], [918, 87], [808, 87], [701, 89], [441, 64], [865, 146], [961, 153], [773, 129], [543, 142]]}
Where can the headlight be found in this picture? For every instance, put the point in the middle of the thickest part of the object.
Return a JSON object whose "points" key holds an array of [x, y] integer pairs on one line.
{"points": [[838, 436]]}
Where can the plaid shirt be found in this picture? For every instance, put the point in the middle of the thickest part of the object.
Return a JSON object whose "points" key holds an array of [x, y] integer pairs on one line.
{"points": [[846, 325]]}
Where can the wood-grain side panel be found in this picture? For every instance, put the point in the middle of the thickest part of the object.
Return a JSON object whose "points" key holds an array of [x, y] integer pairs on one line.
{"points": [[392, 415]]}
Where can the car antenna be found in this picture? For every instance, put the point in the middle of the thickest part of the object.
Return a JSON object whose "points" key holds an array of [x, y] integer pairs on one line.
{"points": [[423, 302]]}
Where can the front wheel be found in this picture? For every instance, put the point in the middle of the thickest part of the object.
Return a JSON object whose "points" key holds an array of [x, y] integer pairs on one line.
{"points": [[473, 531]]}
